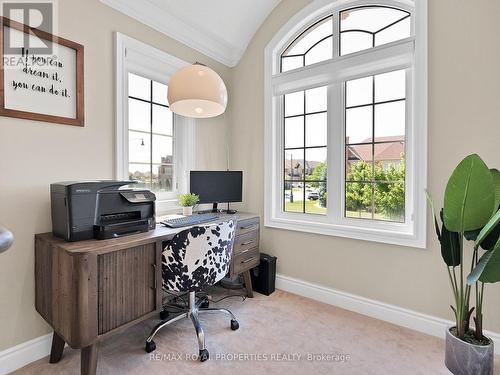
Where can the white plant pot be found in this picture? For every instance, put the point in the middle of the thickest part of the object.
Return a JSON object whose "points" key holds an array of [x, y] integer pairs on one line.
{"points": [[187, 211], [463, 358]]}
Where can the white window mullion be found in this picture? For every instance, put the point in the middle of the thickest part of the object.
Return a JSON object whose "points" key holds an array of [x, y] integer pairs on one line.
{"points": [[335, 152], [336, 33], [409, 154], [273, 175], [123, 139], [278, 155]]}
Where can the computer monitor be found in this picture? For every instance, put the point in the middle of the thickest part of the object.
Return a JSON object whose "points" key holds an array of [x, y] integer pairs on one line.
{"points": [[217, 186]]}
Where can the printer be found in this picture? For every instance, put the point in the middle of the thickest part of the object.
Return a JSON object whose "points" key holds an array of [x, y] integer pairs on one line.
{"points": [[100, 209]]}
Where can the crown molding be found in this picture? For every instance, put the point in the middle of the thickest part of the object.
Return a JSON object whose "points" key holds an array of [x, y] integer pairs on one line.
{"points": [[202, 40]]}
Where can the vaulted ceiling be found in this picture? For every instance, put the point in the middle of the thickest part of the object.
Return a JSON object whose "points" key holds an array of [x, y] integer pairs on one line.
{"points": [[220, 29]]}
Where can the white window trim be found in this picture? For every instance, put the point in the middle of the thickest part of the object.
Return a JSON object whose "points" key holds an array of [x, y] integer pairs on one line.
{"points": [[413, 232], [136, 57]]}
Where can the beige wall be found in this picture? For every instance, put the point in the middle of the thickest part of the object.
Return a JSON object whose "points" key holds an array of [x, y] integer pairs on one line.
{"points": [[464, 117], [34, 154]]}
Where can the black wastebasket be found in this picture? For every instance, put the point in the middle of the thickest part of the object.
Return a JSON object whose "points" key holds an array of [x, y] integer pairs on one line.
{"points": [[264, 275]]}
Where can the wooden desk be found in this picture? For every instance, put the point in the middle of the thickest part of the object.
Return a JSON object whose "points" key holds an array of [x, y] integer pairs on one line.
{"points": [[90, 290]]}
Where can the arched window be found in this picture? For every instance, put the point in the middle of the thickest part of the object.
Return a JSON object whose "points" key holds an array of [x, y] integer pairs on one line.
{"points": [[314, 45], [346, 121], [366, 27]]}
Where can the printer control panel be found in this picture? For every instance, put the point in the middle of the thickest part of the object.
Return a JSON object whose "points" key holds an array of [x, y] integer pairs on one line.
{"points": [[138, 196]]}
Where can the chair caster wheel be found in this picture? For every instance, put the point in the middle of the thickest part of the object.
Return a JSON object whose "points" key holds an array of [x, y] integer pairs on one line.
{"points": [[150, 346], [204, 355], [204, 304], [164, 314], [235, 325]]}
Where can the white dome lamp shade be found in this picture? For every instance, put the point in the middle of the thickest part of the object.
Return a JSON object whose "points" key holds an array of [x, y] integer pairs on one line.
{"points": [[197, 91]]}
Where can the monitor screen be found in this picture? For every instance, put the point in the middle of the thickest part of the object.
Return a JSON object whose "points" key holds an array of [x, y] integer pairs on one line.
{"points": [[217, 186]]}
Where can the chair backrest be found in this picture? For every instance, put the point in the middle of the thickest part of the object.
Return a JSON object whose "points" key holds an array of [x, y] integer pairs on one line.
{"points": [[198, 257]]}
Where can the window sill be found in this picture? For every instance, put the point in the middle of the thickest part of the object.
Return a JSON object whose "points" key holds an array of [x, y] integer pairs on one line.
{"points": [[171, 206], [348, 231], [166, 206]]}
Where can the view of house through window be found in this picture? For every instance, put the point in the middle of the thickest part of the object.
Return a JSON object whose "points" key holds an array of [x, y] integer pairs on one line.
{"points": [[305, 151], [375, 147], [150, 134]]}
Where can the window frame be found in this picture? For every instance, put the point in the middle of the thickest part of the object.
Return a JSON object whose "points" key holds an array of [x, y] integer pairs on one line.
{"points": [[133, 56], [409, 53]]}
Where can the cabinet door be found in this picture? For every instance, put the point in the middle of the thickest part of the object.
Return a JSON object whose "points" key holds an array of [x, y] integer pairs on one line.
{"points": [[127, 285]]}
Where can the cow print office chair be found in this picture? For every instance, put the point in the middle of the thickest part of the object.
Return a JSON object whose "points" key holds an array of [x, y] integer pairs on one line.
{"points": [[194, 259]]}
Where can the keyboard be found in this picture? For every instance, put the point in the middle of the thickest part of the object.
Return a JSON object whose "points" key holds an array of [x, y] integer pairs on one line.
{"points": [[187, 221]]}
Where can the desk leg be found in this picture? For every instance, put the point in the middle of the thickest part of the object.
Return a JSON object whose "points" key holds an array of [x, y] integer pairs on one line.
{"points": [[56, 351], [88, 363], [248, 283]]}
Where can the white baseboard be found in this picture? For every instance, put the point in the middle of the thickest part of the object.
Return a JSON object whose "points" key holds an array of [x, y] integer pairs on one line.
{"points": [[23, 354], [417, 321]]}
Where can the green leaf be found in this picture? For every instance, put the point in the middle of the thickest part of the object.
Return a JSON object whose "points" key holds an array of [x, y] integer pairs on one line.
{"points": [[436, 224], [450, 247], [496, 182], [469, 198], [471, 235], [491, 239], [488, 268], [479, 268], [488, 228], [188, 200], [450, 244]]}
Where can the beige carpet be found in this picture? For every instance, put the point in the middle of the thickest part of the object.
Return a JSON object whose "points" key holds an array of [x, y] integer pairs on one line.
{"points": [[278, 334]]}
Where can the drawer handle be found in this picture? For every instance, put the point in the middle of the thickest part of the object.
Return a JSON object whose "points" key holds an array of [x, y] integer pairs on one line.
{"points": [[248, 260], [155, 279], [247, 243], [248, 226]]}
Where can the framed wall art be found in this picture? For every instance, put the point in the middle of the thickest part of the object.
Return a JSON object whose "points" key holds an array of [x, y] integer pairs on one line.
{"points": [[41, 77]]}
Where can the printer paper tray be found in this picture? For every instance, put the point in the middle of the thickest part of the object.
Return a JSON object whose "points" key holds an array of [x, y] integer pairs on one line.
{"points": [[115, 230]]}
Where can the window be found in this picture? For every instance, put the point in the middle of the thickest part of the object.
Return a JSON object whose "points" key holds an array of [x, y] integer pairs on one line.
{"points": [[305, 117], [312, 46], [370, 26], [153, 145], [346, 121], [375, 119], [150, 134]]}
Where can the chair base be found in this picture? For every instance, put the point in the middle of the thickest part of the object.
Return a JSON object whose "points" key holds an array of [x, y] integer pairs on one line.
{"points": [[193, 313]]}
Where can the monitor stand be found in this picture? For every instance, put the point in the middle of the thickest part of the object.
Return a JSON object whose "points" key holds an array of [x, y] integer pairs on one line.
{"points": [[216, 210], [213, 210]]}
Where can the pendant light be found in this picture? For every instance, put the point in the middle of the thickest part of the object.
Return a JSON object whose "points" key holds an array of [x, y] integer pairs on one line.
{"points": [[197, 91]]}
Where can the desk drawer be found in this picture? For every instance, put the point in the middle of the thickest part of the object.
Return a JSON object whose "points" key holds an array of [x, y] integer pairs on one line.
{"points": [[246, 260], [248, 225], [245, 242]]}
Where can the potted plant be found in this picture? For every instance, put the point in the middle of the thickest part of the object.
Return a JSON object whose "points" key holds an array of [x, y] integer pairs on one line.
{"points": [[188, 201], [471, 213]]}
